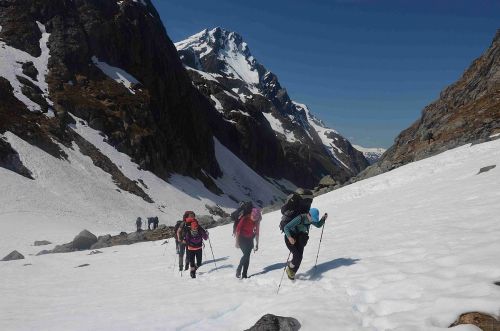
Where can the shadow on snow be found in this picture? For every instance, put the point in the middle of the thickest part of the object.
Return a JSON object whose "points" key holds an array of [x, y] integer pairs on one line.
{"points": [[269, 268], [316, 273]]}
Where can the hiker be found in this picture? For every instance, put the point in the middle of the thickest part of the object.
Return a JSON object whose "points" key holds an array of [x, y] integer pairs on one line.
{"points": [[154, 221], [194, 237], [297, 235], [138, 224], [246, 231], [180, 229]]}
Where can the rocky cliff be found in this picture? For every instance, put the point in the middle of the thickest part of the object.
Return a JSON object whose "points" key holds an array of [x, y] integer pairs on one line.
{"points": [[111, 64], [467, 111]]}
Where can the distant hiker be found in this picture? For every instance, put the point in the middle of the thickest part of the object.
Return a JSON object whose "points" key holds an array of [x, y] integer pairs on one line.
{"points": [[194, 241], [180, 230], [154, 221], [296, 203], [245, 208], [138, 223], [297, 235], [246, 231], [429, 136]]}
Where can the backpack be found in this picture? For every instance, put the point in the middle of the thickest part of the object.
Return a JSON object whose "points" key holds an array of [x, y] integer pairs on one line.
{"points": [[245, 208], [296, 203]]}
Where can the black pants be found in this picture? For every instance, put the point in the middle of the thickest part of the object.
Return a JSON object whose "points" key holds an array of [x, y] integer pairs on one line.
{"points": [[297, 249], [246, 246], [182, 250], [192, 255]]}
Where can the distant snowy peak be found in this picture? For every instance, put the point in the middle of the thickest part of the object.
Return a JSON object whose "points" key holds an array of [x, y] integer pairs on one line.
{"points": [[371, 154], [220, 51]]}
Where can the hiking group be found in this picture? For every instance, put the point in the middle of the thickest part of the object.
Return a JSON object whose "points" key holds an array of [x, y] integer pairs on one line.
{"points": [[297, 217]]}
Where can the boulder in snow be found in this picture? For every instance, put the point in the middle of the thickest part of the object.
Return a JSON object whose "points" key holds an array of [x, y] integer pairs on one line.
{"points": [[84, 240], [482, 321], [14, 255], [485, 169], [42, 242], [271, 322]]}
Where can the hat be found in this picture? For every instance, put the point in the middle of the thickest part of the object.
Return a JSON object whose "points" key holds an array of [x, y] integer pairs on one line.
{"points": [[314, 212]]}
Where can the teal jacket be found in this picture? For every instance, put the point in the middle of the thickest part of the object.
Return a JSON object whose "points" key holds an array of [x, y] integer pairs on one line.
{"points": [[300, 224]]}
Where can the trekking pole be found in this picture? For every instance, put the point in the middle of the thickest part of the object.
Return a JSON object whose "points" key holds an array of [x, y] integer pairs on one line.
{"points": [[212, 253], [320, 238], [283, 274]]}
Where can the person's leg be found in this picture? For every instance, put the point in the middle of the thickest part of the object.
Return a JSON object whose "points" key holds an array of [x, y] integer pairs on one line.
{"points": [[295, 253], [247, 251], [182, 251], [199, 255], [191, 255], [300, 245]]}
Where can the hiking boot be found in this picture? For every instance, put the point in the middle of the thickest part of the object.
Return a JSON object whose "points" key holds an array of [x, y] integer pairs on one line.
{"points": [[193, 274], [180, 268], [290, 273], [244, 276], [186, 267]]}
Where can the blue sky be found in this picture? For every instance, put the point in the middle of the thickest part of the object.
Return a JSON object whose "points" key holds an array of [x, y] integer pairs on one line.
{"points": [[367, 68]]}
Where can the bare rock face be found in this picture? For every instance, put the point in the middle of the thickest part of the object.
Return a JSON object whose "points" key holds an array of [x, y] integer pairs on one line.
{"points": [[271, 322], [161, 121], [14, 255], [482, 321], [467, 111]]}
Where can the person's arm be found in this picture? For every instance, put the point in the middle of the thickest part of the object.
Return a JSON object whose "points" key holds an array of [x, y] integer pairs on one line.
{"points": [[291, 225], [321, 221], [238, 231], [257, 229]]}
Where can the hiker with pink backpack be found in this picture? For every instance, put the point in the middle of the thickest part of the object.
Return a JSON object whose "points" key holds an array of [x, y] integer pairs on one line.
{"points": [[246, 231]]}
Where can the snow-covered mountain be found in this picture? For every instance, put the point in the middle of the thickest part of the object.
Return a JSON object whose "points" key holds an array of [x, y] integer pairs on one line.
{"points": [[90, 126], [411, 249], [371, 154], [251, 99]]}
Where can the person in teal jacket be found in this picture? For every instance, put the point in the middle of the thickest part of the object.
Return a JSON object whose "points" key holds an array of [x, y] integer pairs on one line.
{"points": [[297, 235]]}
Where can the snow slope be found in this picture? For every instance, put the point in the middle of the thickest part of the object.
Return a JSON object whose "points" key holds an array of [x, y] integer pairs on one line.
{"points": [[411, 249], [68, 196]]}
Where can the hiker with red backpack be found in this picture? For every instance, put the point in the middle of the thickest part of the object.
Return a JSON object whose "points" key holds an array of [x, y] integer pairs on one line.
{"points": [[193, 238], [246, 230], [297, 235], [180, 232]]}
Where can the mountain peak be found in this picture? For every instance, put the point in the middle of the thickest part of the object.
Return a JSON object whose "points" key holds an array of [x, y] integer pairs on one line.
{"points": [[220, 51]]}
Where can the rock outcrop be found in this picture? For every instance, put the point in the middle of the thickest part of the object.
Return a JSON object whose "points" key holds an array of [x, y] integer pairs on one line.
{"points": [[482, 321], [467, 111], [14, 255], [271, 322]]}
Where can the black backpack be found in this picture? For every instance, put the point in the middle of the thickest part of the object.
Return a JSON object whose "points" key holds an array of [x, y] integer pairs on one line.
{"points": [[245, 208], [297, 203]]}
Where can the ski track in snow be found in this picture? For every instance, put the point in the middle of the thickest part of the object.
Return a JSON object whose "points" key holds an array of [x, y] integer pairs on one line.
{"points": [[411, 249]]}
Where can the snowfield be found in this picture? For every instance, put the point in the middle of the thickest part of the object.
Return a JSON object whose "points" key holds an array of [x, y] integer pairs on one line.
{"points": [[411, 249]]}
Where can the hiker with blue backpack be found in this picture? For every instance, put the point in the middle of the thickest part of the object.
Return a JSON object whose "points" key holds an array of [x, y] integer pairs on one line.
{"points": [[246, 231]]}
